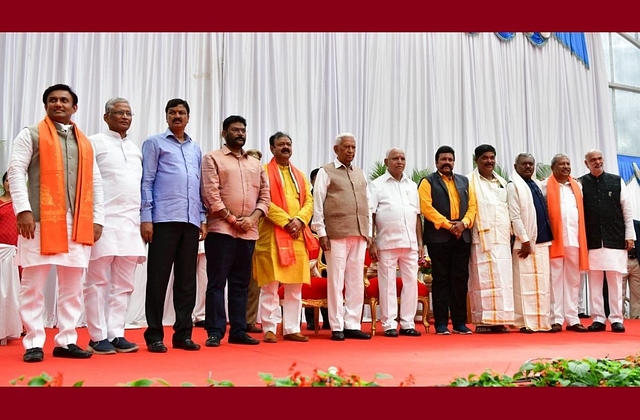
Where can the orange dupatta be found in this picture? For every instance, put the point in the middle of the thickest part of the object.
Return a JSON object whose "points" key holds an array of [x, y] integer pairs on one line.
{"points": [[53, 212], [284, 242], [555, 218]]}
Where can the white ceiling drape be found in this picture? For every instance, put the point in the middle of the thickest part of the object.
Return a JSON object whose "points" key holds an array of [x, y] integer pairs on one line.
{"points": [[416, 91]]}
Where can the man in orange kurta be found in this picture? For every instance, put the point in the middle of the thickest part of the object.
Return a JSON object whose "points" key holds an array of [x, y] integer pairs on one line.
{"points": [[281, 254]]}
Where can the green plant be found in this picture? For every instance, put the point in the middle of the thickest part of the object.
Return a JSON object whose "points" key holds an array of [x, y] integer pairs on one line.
{"points": [[418, 174], [543, 171], [588, 372], [334, 377], [377, 170], [44, 380]]}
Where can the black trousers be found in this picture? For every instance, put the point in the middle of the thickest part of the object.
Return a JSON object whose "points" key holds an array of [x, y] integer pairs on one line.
{"points": [[450, 273], [229, 262], [175, 244]]}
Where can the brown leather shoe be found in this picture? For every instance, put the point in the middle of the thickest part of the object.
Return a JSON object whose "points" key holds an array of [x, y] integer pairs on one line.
{"points": [[252, 328], [577, 328], [270, 337], [295, 337], [556, 328]]}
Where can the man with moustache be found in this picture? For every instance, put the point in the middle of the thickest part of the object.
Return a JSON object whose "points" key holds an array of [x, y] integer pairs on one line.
{"points": [[530, 255], [342, 222], [172, 221], [568, 252], [449, 210], [281, 255], [109, 281], [235, 192], [490, 271], [59, 217], [396, 241], [608, 215]]}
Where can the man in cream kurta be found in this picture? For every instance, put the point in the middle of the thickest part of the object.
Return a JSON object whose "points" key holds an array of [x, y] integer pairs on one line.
{"points": [[530, 222], [282, 230], [109, 282], [490, 265], [76, 154], [396, 241]]}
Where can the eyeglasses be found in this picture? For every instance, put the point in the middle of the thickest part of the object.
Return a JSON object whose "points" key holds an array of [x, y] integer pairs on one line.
{"points": [[122, 113]]}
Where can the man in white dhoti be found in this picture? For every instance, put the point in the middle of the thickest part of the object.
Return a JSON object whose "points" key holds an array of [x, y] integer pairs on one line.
{"points": [[60, 216], [396, 242], [490, 269], [109, 282], [608, 215], [568, 252], [530, 255]]}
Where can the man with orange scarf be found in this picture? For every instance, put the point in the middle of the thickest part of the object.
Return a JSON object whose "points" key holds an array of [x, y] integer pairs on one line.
{"points": [[281, 253], [568, 252], [60, 216]]}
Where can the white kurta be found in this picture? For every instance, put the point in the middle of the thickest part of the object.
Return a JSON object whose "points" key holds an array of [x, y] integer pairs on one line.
{"points": [[120, 164], [531, 275], [490, 265]]}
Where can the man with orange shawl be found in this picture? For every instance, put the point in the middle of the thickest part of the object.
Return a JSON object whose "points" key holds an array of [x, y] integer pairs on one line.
{"points": [[281, 254], [568, 252], [60, 216]]}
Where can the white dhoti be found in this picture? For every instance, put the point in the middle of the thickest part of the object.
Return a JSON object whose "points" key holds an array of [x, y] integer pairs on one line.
{"points": [[613, 262], [491, 285], [531, 284], [291, 307], [10, 325]]}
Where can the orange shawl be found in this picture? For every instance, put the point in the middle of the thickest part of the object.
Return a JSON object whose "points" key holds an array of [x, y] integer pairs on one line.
{"points": [[53, 212], [284, 242], [555, 218]]}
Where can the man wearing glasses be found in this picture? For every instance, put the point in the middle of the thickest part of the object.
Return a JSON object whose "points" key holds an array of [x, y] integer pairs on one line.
{"points": [[172, 221], [109, 282]]}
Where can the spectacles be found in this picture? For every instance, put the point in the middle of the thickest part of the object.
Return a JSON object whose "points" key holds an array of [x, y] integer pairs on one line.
{"points": [[122, 113]]}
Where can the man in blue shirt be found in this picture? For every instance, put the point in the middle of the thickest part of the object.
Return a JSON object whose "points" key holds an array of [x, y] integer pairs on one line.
{"points": [[172, 221]]}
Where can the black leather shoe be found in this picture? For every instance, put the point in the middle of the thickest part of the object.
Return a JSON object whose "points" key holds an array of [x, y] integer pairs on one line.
{"points": [[337, 335], [391, 333], [556, 328], [187, 344], [357, 334], [157, 347], [617, 327], [71, 352], [597, 326], [411, 332], [582, 315], [212, 341], [33, 355], [245, 339]]}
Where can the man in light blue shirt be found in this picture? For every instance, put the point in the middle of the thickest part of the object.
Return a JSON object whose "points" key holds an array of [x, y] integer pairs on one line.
{"points": [[172, 221]]}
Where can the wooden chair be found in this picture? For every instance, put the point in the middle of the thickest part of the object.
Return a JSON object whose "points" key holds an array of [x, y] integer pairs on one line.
{"points": [[372, 296]]}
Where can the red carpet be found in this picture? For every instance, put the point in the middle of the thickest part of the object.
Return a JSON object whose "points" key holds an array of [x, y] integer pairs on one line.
{"points": [[431, 360]]}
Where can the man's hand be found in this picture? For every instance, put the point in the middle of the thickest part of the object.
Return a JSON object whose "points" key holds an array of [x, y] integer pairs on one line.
{"points": [[373, 251], [26, 224], [325, 244], [525, 250], [630, 244], [294, 227], [457, 228], [97, 232], [146, 231], [203, 231]]}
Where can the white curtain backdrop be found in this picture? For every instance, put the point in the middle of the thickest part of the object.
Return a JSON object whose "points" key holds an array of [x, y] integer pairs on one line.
{"points": [[416, 91]]}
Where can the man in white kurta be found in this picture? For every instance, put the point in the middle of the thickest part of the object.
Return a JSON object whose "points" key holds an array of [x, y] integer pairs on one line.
{"points": [[530, 223], [490, 265], [75, 155], [610, 234], [109, 281], [396, 241]]}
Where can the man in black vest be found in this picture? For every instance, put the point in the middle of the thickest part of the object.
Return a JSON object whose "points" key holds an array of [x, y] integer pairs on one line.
{"points": [[449, 210], [608, 215]]}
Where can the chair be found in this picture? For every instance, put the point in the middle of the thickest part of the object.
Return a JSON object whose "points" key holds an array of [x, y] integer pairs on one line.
{"points": [[314, 295], [372, 295]]}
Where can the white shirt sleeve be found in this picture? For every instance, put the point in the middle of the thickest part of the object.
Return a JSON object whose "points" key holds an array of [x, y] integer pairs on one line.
{"points": [[627, 211], [21, 151], [319, 194]]}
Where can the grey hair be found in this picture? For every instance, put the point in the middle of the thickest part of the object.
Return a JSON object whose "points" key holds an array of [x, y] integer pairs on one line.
{"points": [[391, 150], [557, 157], [111, 103], [341, 136], [524, 155], [586, 156]]}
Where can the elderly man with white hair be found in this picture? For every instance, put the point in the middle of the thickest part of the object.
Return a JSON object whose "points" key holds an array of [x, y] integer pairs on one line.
{"points": [[343, 224]]}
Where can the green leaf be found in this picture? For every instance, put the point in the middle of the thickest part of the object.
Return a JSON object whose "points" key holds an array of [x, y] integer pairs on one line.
{"points": [[378, 170]]}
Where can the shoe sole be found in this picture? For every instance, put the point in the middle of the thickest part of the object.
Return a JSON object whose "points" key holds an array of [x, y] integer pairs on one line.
{"points": [[463, 332], [104, 353], [129, 350], [444, 333]]}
